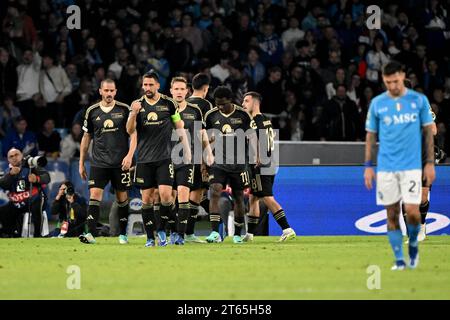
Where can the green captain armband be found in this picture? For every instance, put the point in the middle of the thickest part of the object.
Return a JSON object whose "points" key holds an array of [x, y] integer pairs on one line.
{"points": [[176, 117]]}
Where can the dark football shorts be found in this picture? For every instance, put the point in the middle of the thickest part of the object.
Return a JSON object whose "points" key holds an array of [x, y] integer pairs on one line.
{"points": [[154, 174], [262, 185], [99, 178], [184, 176], [236, 180]]}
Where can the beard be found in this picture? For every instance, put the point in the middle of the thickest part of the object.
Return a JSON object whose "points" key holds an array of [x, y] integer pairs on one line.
{"points": [[149, 94]]}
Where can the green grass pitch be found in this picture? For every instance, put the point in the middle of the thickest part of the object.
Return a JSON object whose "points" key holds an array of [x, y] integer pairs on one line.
{"points": [[304, 268]]}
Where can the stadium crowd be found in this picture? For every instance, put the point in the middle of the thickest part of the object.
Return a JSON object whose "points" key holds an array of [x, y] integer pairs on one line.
{"points": [[315, 63]]}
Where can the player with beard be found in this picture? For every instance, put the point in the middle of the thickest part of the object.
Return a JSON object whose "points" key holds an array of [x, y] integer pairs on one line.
{"points": [[153, 117], [262, 175], [112, 156]]}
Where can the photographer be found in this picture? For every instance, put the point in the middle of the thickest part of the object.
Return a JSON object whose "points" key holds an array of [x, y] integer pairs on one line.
{"points": [[23, 174], [72, 211]]}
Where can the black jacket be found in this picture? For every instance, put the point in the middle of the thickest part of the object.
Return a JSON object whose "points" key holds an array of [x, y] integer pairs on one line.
{"points": [[62, 208], [17, 187]]}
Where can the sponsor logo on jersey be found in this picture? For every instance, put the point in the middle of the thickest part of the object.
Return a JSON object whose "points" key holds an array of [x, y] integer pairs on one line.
{"points": [[267, 123], [227, 129], [236, 121], [188, 116], [108, 126], [253, 125], [162, 108], [152, 116], [116, 115]]}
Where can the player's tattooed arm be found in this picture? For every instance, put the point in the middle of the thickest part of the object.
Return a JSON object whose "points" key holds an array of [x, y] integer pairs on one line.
{"points": [[84, 146]]}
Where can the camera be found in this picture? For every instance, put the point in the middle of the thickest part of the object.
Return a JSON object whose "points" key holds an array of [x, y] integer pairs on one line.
{"points": [[69, 191], [33, 162]]}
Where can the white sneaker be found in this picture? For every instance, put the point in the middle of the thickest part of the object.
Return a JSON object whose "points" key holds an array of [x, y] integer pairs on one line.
{"points": [[248, 237], [422, 233], [288, 234]]}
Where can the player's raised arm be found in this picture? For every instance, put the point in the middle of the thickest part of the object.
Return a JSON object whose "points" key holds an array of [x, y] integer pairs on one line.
{"points": [[134, 111]]}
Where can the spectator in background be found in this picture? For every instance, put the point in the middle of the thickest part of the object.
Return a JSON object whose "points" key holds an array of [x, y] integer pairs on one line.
{"points": [[78, 100], [129, 84], [204, 22], [292, 35], [70, 145], [238, 81], [244, 31], [270, 45], [8, 74], [433, 77], [340, 78], [160, 64], [221, 69], [272, 92], [92, 55], [117, 66], [28, 85], [179, 52], [49, 140], [8, 112], [54, 86], [20, 138], [142, 50], [191, 33], [99, 76], [376, 59], [342, 117], [254, 68], [72, 74]]}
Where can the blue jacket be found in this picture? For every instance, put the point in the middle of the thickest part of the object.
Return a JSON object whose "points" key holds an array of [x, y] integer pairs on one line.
{"points": [[13, 140]]}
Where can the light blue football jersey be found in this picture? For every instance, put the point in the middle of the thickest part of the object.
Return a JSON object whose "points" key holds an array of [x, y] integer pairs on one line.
{"points": [[398, 122]]}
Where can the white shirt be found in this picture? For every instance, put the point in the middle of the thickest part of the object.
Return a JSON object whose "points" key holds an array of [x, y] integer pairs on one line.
{"points": [[61, 83], [220, 73], [291, 36], [28, 79]]}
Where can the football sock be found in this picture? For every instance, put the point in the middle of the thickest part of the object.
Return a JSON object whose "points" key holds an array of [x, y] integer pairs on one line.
{"points": [[252, 223], [424, 210], [123, 216], [395, 239], [413, 231], [165, 213], [238, 224], [280, 218], [183, 216], [93, 215], [193, 213], [148, 217], [214, 218]]}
